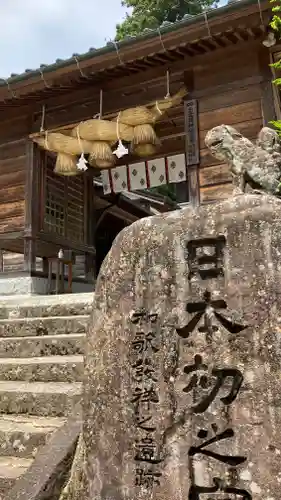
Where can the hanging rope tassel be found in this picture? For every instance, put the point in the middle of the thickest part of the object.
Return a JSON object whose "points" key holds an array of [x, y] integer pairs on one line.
{"points": [[99, 115], [82, 162], [121, 150], [46, 141], [101, 103], [42, 128], [168, 95]]}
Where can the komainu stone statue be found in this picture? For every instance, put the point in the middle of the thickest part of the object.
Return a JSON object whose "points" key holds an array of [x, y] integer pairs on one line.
{"points": [[253, 166]]}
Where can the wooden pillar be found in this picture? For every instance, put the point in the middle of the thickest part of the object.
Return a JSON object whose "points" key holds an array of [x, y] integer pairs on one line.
{"points": [[31, 208], [45, 265], [268, 102], [29, 255], [1, 261], [90, 271], [89, 227]]}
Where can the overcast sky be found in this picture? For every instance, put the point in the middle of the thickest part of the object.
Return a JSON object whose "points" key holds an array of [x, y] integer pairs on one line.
{"points": [[35, 32]]}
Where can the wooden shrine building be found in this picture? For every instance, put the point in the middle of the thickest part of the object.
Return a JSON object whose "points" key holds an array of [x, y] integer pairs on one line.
{"points": [[222, 61]]}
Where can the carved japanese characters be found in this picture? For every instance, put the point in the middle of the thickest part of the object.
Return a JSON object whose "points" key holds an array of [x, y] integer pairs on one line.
{"points": [[182, 388]]}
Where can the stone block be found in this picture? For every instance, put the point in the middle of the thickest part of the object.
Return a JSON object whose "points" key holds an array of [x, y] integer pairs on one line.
{"points": [[182, 397]]}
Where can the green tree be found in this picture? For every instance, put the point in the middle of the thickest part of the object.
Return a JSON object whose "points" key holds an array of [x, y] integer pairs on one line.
{"points": [[276, 26], [152, 13]]}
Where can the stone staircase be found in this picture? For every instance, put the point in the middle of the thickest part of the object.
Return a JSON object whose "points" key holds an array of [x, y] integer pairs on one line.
{"points": [[41, 370]]}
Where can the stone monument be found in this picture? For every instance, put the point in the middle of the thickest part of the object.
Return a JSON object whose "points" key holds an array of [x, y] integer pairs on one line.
{"points": [[183, 365]]}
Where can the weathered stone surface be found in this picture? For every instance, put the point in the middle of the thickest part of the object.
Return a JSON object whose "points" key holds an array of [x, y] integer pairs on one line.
{"points": [[39, 398], [21, 435], [45, 478], [36, 306], [44, 369], [41, 346], [62, 325], [48, 345], [257, 165], [142, 367], [10, 470]]}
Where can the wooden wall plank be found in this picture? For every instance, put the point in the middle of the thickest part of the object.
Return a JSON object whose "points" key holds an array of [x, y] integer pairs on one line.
{"points": [[11, 224], [10, 194], [16, 128], [229, 98], [222, 105], [220, 192], [12, 167], [217, 174], [16, 178], [12, 185], [216, 70], [9, 210], [230, 115], [249, 129], [12, 149]]}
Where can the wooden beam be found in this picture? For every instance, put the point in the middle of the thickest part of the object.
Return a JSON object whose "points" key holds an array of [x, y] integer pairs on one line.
{"points": [[68, 115], [89, 95]]}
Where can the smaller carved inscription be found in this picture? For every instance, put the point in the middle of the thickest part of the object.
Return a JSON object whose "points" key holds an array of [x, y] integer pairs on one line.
{"points": [[147, 478], [144, 397], [144, 347], [147, 451]]}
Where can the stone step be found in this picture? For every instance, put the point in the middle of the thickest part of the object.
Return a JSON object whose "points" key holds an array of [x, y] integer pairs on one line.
{"points": [[53, 325], [49, 345], [11, 468], [21, 435], [43, 369], [46, 399], [46, 305]]}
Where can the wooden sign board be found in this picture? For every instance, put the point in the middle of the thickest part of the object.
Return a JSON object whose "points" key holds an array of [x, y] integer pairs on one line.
{"points": [[191, 130]]}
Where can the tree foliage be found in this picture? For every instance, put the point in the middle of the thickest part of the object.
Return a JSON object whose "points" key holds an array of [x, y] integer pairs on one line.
{"points": [[152, 13], [276, 26]]}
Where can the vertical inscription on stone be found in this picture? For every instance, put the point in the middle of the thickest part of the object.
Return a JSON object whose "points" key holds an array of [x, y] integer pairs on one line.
{"points": [[205, 257], [205, 262], [145, 395]]}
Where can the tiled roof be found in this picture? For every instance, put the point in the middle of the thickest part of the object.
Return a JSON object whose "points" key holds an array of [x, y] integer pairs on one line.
{"points": [[129, 40]]}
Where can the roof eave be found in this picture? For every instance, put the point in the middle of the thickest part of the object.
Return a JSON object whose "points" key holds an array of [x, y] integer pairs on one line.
{"points": [[128, 43]]}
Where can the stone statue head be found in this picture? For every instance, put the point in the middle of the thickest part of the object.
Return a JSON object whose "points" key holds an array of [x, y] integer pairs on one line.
{"points": [[259, 162], [269, 140], [224, 141]]}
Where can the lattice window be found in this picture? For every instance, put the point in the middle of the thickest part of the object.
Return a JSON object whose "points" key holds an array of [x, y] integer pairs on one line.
{"points": [[64, 204], [54, 214]]}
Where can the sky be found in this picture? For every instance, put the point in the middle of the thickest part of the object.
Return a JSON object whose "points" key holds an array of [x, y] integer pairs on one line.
{"points": [[35, 32]]}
